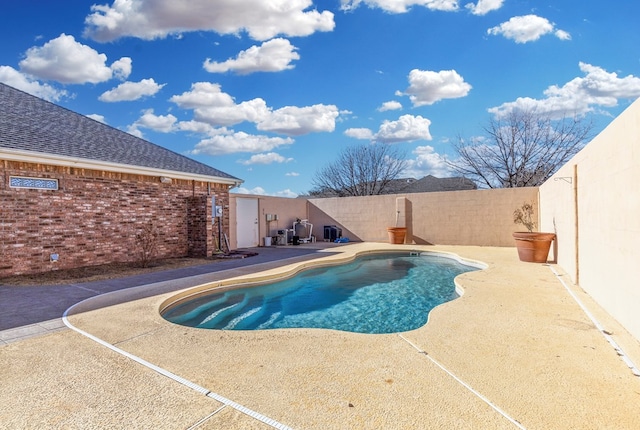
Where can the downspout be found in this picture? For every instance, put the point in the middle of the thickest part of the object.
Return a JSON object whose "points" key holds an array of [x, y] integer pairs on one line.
{"points": [[261, 218], [577, 223]]}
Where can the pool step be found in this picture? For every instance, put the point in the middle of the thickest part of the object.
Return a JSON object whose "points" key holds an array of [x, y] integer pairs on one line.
{"points": [[195, 314], [270, 321], [215, 315], [242, 318], [229, 308]]}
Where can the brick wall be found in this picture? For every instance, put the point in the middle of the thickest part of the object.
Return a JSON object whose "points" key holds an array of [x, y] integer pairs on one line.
{"points": [[198, 226], [94, 216]]}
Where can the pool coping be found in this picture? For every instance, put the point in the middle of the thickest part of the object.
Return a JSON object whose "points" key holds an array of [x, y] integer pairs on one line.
{"points": [[282, 273]]}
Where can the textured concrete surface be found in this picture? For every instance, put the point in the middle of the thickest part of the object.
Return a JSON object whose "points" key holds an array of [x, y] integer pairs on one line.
{"points": [[515, 351]]}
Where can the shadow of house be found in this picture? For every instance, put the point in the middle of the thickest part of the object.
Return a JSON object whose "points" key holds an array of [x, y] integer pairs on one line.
{"points": [[76, 192]]}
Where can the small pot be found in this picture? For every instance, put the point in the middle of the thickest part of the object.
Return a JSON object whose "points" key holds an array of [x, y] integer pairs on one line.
{"points": [[533, 247], [397, 234]]}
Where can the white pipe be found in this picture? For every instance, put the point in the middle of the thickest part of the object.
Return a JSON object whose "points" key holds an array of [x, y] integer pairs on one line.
{"points": [[599, 326]]}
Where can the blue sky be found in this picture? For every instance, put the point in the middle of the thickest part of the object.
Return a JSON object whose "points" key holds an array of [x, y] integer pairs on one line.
{"points": [[271, 90]]}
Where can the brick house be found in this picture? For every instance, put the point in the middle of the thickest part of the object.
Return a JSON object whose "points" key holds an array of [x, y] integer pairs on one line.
{"points": [[75, 192]]}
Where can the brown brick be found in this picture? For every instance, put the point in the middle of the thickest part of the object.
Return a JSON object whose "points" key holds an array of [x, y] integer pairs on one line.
{"points": [[94, 216]]}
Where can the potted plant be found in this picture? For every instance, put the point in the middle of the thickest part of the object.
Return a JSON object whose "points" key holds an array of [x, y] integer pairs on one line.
{"points": [[533, 247], [397, 234]]}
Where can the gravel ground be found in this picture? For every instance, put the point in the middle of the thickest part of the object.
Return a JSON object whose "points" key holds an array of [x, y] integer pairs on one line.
{"points": [[98, 273]]}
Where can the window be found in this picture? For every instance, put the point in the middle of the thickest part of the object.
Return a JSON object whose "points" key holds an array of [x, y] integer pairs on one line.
{"points": [[33, 183]]}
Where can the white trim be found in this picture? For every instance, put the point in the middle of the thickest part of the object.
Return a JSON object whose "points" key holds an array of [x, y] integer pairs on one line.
{"points": [[84, 163]]}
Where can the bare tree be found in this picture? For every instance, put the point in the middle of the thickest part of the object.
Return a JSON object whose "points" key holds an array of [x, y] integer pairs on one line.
{"points": [[523, 149], [361, 170], [147, 242]]}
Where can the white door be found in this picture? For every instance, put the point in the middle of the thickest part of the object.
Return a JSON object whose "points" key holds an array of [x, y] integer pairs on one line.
{"points": [[247, 222]]}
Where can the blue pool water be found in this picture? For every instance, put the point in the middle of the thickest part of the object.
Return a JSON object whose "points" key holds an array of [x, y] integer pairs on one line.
{"points": [[379, 293]]}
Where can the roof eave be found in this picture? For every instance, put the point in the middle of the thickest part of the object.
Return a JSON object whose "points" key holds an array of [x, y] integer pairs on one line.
{"points": [[83, 163]]}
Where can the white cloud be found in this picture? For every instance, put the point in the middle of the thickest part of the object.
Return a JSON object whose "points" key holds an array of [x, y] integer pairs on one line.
{"points": [[259, 191], [135, 132], [239, 142], [578, 96], [198, 127], [407, 128], [152, 19], [296, 121], [401, 6], [484, 6], [527, 28], [292, 174], [161, 123], [427, 87], [121, 68], [390, 105], [128, 91], [254, 110], [212, 106], [96, 117], [272, 56], [64, 60], [427, 162], [345, 115], [286, 193], [203, 94], [14, 78], [266, 158], [217, 108], [359, 133]]}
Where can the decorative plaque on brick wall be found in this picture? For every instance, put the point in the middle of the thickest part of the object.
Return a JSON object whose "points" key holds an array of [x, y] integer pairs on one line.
{"points": [[34, 183]]}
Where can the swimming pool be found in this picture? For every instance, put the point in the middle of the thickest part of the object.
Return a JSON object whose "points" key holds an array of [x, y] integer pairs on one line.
{"points": [[376, 293]]}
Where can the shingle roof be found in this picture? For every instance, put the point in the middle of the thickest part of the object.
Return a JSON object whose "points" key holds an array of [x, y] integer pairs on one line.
{"points": [[28, 123], [426, 184], [430, 184]]}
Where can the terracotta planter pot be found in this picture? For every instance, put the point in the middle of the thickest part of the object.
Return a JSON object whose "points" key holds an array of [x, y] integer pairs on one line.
{"points": [[397, 234], [533, 247]]}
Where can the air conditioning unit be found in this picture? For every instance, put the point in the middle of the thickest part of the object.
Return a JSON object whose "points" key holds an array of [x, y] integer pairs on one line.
{"points": [[332, 232]]}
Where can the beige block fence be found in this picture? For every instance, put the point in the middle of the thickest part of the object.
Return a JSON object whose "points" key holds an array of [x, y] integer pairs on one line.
{"points": [[479, 217]]}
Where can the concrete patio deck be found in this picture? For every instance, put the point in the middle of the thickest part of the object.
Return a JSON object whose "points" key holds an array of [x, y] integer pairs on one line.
{"points": [[515, 351]]}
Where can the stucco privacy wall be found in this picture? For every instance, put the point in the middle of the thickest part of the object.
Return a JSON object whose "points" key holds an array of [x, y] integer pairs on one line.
{"points": [[593, 205], [475, 217], [94, 216], [287, 210]]}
